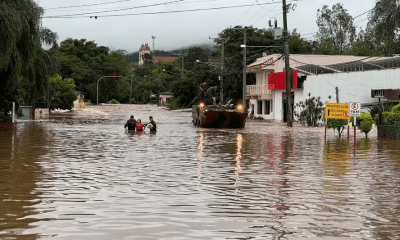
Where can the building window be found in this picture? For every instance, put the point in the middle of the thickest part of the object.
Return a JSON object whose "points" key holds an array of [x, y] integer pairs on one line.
{"points": [[268, 108], [379, 93], [259, 107]]}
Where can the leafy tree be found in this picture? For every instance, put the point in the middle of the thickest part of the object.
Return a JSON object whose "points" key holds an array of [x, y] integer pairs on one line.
{"points": [[384, 22], [233, 62], [148, 59], [62, 92], [366, 124], [21, 54], [326, 47], [336, 24], [297, 45], [365, 45], [186, 89], [193, 54], [337, 124], [394, 116], [86, 63]]}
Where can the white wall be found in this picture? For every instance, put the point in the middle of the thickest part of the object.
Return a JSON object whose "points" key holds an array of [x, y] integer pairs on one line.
{"points": [[278, 106], [353, 86]]}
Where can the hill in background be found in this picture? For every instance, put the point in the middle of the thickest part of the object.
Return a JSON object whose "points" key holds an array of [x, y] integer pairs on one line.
{"points": [[134, 57]]}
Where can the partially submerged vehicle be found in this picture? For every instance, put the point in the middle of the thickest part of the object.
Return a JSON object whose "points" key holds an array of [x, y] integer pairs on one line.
{"points": [[219, 116]]}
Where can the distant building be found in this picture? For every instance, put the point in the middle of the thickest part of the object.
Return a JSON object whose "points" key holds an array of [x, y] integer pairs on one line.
{"points": [[163, 59], [145, 49], [368, 80]]}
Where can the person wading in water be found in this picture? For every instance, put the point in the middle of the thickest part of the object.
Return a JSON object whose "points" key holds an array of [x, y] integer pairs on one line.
{"points": [[131, 123], [153, 126]]}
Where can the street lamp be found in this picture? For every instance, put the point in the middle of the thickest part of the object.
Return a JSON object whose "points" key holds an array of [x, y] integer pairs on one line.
{"points": [[98, 86]]}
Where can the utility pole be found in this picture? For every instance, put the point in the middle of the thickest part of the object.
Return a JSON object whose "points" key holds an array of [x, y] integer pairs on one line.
{"points": [[221, 97], [244, 71], [287, 67], [337, 95], [182, 65]]}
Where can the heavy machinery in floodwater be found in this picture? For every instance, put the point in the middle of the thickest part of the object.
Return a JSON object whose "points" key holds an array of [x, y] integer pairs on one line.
{"points": [[208, 114]]}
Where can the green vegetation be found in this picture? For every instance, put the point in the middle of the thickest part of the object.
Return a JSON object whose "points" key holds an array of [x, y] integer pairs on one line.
{"points": [[336, 29], [24, 65], [86, 63], [364, 123], [27, 70], [61, 92], [337, 124], [113, 101], [173, 104], [309, 111], [393, 117]]}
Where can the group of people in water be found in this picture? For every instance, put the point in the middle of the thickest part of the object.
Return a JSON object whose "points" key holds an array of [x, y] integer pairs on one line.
{"points": [[137, 125]]}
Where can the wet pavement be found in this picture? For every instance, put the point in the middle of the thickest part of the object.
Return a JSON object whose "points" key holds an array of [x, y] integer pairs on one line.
{"points": [[80, 175]]}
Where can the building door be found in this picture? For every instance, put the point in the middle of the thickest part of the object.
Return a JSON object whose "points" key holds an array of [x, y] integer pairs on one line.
{"points": [[259, 107], [267, 109], [284, 105]]}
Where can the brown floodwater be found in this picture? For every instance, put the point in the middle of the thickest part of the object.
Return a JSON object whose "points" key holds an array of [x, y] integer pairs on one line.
{"points": [[80, 175]]}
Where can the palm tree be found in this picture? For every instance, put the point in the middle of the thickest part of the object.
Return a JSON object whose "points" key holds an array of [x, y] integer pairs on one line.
{"points": [[21, 53]]}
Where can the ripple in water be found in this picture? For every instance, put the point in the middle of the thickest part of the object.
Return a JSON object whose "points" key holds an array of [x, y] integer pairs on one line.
{"points": [[82, 176]]}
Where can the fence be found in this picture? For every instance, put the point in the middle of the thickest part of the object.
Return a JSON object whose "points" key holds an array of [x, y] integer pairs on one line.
{"points": [[389, 132], [259, 89]]}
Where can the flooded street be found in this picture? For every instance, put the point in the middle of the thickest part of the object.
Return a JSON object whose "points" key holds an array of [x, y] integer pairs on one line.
{"points": [[80, 175]]}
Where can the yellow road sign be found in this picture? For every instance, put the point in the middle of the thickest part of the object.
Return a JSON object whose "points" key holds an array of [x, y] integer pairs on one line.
{"points": [[337, 110]]}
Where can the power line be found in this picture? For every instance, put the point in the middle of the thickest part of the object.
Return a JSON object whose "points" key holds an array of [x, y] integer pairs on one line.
{"points": [[153, 13], [121, 9], [87, 5], [246, 12]]}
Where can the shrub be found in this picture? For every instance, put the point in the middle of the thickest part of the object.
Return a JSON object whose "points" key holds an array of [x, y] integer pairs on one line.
{"points": [[396, 109], [366, 124], [309, 111], [113, 101], [132, 101], [392, 118], [337, 124], [259, 118], [173, 104], [385, 115]]}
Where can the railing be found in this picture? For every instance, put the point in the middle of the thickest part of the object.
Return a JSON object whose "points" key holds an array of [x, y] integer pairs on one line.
{"points": [[260, 89]]}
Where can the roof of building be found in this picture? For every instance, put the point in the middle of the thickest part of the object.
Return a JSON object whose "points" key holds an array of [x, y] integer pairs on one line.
{"points": [[163, 59], [322, 64]]}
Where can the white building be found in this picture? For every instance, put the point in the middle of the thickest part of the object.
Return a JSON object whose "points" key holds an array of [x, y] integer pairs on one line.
{"points": [[144, 49], [319, 75]]}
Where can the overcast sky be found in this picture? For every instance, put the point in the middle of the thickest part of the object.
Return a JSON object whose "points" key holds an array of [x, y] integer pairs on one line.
{"points": [[127, 31]]}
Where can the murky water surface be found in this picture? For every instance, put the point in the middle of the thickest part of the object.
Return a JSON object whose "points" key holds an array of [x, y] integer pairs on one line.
{"points": [[81, 176]]}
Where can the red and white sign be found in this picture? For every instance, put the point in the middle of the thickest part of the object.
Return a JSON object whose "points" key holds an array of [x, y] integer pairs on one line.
{"points": [[355, 109]]}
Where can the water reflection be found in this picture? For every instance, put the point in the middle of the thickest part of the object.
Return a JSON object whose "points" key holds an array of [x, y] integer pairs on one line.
{"points": [[200, 149], [95, 181], [19, 173], [337, 158], [239, 143]]}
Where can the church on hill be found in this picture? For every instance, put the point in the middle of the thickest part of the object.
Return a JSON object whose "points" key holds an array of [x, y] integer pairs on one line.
{"points": [[145, 49]]}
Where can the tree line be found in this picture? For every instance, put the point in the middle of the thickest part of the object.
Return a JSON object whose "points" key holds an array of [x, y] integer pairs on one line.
{"points": [[31, 75]]}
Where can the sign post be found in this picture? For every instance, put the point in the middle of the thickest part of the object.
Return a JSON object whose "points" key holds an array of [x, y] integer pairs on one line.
{"points": [[336, 111], [355, 111]]}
